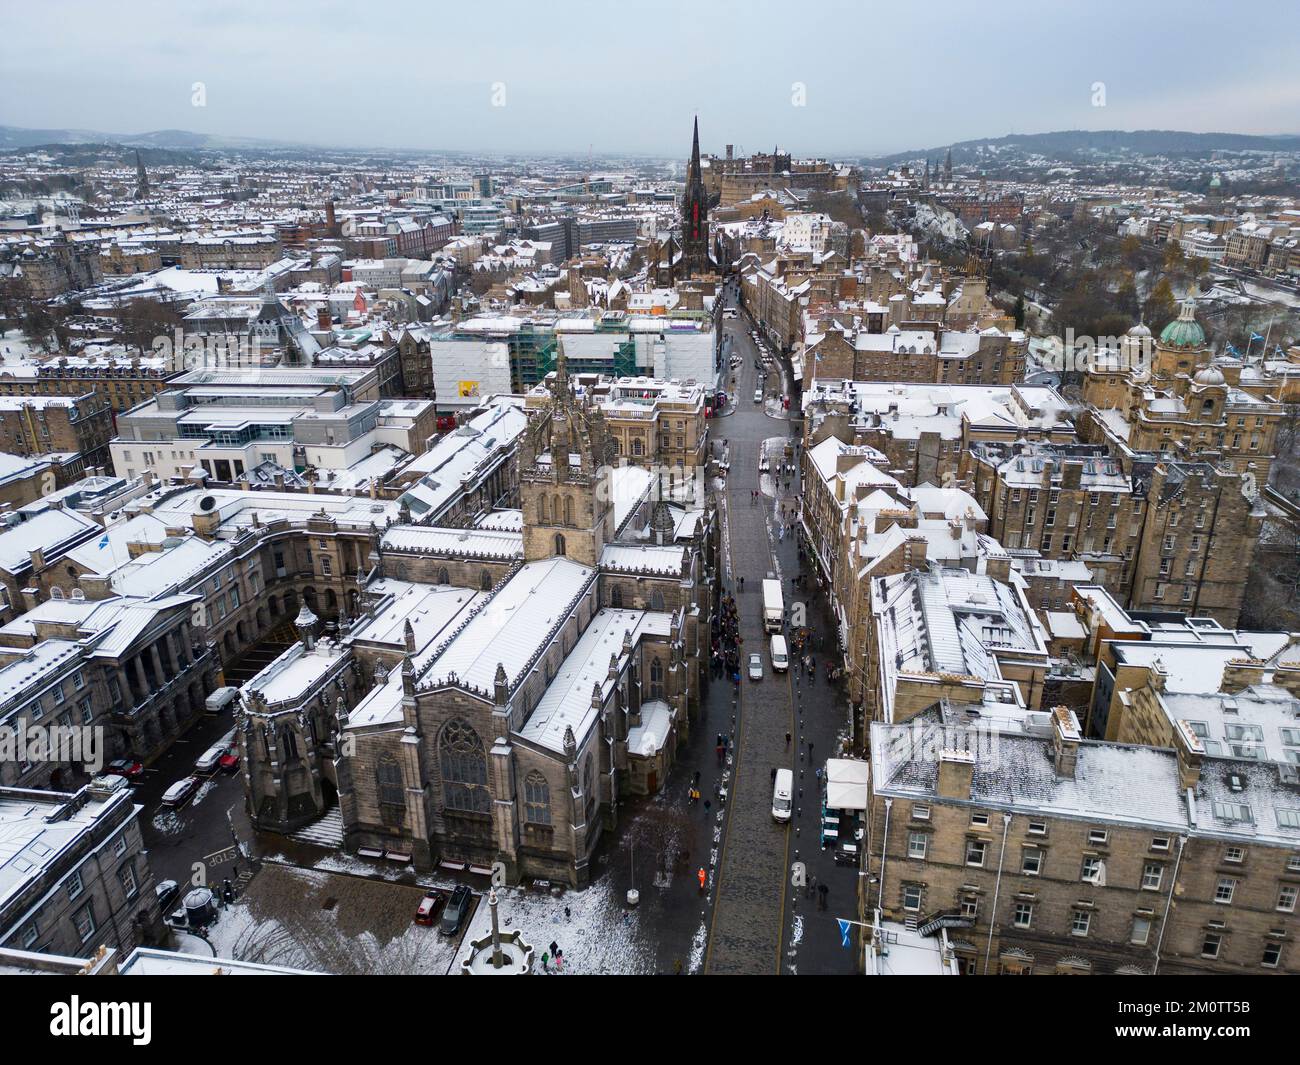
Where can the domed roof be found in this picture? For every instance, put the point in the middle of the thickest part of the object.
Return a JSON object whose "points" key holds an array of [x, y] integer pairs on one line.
{"points": [[1209, 375], [1140, 330], [1184, 331]]}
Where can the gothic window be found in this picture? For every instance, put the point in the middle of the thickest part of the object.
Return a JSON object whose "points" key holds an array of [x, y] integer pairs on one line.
{"points": [[288, 744], [559, 543], [656, 679], [485, 581], [657, 599], [392, 793], [464, 768], [589, 787], [541, 510], [443, 576], [616, 596], [537, 799], [557, 508], [568, 511]]}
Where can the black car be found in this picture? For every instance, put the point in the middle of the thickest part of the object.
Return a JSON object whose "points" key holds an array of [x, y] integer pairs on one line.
{"points": [[456, 910]]}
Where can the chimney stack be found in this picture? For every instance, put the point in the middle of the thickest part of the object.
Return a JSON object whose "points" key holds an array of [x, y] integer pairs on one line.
{"points": [[956, 771], [1065, 741]]}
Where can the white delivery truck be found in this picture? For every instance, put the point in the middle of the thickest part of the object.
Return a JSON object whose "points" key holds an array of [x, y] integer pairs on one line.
{"points": [[773, 606], [782, 791]]}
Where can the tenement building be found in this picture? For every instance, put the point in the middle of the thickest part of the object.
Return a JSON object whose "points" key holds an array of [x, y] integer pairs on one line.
{"points": [[1044, 852], [506, 682], [75, 874], [1161, 533]]}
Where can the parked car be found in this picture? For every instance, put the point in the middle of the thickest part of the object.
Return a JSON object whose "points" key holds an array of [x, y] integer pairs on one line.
{"points": [[229, 762], [755, 667], [456, 910], [211, 758], [221, 699], [167, 892], [429, 906], [179, 792], [758, 395], [126, 767]]}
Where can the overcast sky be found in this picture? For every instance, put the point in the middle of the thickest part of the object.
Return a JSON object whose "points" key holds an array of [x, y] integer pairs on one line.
{"points": [[621, 77]]}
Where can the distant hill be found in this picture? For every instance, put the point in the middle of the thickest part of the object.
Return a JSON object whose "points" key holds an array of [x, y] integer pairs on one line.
{"points": [[17, 137], [1080, 142]]}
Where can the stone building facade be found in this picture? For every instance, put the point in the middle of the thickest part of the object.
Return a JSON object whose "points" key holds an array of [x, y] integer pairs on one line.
{"points": [[88, 882], [1169, 870], [503, 688]]}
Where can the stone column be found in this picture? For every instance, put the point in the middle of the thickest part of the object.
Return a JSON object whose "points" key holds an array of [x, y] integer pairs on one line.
{"points": [[158, 671], [141, 680]]}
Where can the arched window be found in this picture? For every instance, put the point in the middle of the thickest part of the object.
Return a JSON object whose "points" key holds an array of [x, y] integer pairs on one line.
{"points": [[616, 596], [568, 510], [443, 576], [541, 509], [589, 787], [485, 581], [288, 744], [559, 543], [464, 768], [392, 793], [656, 679], [557, 508], [638, 448], [657, 599], [537, 799]]}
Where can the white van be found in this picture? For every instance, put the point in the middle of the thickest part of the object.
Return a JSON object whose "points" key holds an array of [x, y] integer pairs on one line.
{"points": [[220, 699], [780, 660], [781, 793]]}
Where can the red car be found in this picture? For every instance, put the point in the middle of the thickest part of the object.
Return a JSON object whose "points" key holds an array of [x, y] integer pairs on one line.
{"points": [[126, 767], [427, 912], [229, 761]]}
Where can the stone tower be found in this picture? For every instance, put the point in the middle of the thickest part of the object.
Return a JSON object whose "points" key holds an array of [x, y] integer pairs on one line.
{"points": [[565, 485], [695, 216], [141, 178]]}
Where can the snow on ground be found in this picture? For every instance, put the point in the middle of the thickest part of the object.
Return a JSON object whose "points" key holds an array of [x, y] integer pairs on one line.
{"points": [[598, 935], [168, 822], [308, 919]]}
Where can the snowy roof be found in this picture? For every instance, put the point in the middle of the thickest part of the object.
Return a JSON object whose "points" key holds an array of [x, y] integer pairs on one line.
{"points": [[38, 829], [509, 626], [566, 703], [430, 608], [49, 531], [1112, 782]]}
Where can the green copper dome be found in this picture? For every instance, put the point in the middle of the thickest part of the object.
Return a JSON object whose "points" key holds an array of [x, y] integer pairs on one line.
{"points": [[1184, 331]]}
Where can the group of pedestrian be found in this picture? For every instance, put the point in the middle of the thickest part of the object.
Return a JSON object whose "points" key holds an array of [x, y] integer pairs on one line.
{"points": [[553, 956], [725, 655]]}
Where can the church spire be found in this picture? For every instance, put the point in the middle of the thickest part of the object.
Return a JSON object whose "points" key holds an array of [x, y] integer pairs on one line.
{"points": [[695, 213]]}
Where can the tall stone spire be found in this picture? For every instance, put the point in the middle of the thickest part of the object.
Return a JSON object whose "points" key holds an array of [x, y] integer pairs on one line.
{"points": [[695, 213]]}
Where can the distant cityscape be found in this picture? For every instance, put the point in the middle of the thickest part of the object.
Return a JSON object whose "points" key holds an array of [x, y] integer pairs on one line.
{"points": [[735, 563]]}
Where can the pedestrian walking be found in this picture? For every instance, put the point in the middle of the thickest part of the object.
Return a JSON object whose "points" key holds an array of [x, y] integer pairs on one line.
{"points": [[546, 959], [703, 878], [787, 743], [554, 948], [742, 584], [823, 891]]}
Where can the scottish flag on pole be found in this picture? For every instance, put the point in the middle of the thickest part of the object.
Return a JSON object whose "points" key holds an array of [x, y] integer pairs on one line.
{"points": [[103, 541], [845, 926]]}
